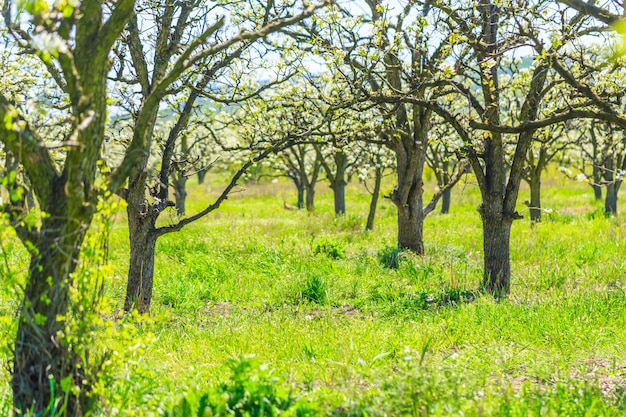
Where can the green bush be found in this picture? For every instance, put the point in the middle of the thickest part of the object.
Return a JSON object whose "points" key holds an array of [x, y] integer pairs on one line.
{"points": [[251, 391]]}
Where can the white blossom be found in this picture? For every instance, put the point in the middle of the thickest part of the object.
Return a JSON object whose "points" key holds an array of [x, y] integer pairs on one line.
{"points": [[49, 42]]}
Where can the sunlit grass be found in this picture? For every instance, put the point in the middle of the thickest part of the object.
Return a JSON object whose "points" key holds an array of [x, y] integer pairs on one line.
{"points": [[348, 331]]}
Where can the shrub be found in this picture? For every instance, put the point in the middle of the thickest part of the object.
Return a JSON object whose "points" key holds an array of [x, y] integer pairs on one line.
{"points": [[251, 391]]}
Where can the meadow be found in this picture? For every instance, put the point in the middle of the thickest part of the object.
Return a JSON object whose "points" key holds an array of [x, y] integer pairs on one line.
{"points": [[310, 314]]}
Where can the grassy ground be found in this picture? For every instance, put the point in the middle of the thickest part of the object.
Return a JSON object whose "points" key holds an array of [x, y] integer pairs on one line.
{"points": [[310, 295]]}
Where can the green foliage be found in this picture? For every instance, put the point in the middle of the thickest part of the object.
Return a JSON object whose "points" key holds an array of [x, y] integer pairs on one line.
{"points": [[251, 391], [415, 340], [330, 247], [392, 256], [314, 288]]}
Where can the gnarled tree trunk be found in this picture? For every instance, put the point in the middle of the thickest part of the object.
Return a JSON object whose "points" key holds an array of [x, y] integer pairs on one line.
{"points": [[41, 360]]}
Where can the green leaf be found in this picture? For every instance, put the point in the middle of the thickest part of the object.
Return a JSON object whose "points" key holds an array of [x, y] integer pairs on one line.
{"points": [[620, 27]]}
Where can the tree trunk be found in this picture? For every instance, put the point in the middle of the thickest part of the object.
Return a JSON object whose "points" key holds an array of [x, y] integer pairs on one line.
{"points": [[180, 193], [496, 246], [445, 201], [141, 269], [597, 191], [411, 228], [338, 181], [597, 181], [535, 198], [374, 202], [310, 197], [445, 180], [610, 200], [141, 226], [339, 191], [300, 197], [41, 360], [201, 176]]}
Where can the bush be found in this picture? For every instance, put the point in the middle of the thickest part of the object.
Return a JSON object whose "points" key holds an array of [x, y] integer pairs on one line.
{"points": [[251, 391]]}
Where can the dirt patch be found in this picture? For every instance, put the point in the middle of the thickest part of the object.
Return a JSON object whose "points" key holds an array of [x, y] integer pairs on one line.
{"points": [[345, 310], [610, 375], [221, 309]]}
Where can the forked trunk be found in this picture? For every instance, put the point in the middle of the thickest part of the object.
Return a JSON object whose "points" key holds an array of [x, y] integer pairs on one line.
{"points": [[374, 202], [535, 199], [496, 246]]}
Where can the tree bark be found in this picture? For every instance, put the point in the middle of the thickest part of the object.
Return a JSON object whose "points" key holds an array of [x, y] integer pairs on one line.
{"points": [[301, 197], [374, 202], [496, 246], [339, 192], [310, 197], [141, 226], [535, 198], [201, 176], [610, 200], [141, 268], [41, 359], [411, 226], [445, 201], [445, 180], [180, 193]]}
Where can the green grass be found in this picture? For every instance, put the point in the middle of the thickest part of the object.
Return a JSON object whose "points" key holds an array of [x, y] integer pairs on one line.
{"points": [[314, 298]]}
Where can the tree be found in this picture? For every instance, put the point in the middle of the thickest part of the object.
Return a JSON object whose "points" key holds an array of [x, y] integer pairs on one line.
{"points": [[183, 47], [73, 44], [489, 33], [397, 54]]}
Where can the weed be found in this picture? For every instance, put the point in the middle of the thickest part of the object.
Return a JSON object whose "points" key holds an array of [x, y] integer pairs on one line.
{"points": [[392, 256], [331, 248], [314, 288]]}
